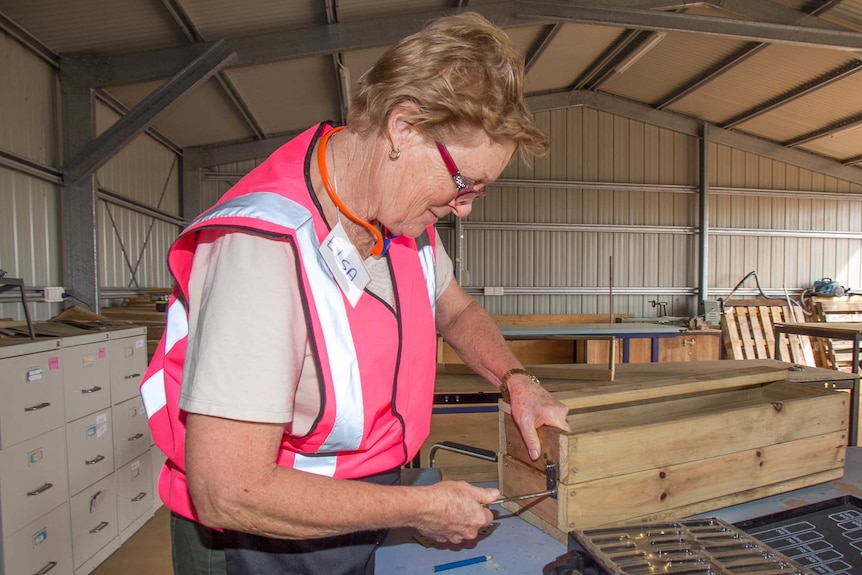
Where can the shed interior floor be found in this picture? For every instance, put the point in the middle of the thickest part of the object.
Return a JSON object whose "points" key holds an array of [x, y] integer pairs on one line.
{"points": [[147, 552]]}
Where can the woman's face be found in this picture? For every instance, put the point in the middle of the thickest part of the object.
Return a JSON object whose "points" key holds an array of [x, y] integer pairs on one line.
{"points": [[427, 191]]}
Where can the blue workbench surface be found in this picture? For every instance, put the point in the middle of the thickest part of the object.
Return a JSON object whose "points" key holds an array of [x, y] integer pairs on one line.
{"points": [[519, 548]]}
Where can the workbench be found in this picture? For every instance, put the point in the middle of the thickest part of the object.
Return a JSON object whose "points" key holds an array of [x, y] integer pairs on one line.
{"points": [[517, 547], [850, 331], [623, 331]]}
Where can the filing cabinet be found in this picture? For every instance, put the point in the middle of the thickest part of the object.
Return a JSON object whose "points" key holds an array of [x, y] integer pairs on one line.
{"points": [[34, 487], [77, 466]]}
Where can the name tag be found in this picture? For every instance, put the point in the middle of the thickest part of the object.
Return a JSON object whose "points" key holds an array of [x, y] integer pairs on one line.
{"points": [[345, 263]]}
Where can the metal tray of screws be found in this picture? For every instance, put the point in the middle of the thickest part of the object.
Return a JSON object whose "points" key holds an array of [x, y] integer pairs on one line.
{"points": [[684, 547]]}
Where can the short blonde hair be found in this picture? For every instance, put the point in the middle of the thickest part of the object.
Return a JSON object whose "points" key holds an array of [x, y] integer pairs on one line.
{"points": [[462, 72]]}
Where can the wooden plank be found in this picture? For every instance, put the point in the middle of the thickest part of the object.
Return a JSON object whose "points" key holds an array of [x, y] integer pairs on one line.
{"points": [[742, 320], [757, 332], [768, 333], [626, 439], [782, 344], [680, 512], [649, 390], [730, 330], [654, 491]]}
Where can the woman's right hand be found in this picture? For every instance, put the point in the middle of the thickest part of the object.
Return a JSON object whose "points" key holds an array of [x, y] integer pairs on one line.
{"points": [[454, 511]]}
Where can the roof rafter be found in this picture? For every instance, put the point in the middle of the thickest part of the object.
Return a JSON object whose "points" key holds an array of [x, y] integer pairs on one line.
{"points": [[259, 49], [570, 11]]}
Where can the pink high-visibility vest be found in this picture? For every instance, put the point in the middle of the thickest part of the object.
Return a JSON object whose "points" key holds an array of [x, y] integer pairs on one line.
{"points": [[375, 362]]}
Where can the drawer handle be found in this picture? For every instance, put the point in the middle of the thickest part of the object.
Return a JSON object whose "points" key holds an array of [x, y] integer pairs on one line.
{"points": [[93, 389], [46, 568], [99, 527], [95, 460], [136, 437], [37, 407], [139, 496], [132, 376], [41, 490]]}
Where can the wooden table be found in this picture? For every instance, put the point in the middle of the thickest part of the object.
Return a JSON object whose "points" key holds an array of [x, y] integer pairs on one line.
{"points": [[624, 331]]}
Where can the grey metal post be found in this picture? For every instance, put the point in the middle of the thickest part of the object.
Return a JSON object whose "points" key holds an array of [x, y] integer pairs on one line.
{"points": [[703, 223], [78, 218], [190, 187]]}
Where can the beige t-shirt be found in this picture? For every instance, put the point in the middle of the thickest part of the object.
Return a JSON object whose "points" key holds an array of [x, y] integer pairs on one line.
{"points": [[248, 354]]}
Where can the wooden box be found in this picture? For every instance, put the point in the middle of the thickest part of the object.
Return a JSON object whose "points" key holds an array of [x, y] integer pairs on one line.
{"points": [[652, 450]]}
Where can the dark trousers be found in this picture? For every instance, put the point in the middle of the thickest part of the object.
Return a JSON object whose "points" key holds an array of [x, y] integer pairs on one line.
{"points": [[196, 549], [199, 550]]}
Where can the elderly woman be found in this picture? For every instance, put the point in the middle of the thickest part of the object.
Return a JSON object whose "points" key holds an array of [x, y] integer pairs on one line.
{"points": [[296, 374]]}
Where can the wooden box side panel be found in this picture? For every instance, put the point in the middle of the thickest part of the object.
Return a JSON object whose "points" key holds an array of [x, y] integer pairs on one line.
{"points": [[633, 438], [658, 490], [681, 512], [677, 489], [622, 451]]}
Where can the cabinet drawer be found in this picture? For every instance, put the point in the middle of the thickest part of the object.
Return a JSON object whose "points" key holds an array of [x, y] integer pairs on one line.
{"points": [[135, 490], [90, 450], [32, 479], [128, 363], [86, 378], [42, 547], [94, 519], [131, 430], [32, 388]]}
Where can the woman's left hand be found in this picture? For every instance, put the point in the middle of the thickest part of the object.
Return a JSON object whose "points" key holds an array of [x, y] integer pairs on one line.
{"points": [[532, 407]]}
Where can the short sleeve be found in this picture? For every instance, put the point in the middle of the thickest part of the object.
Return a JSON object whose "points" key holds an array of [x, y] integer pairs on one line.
{"points": [[247, 332]]}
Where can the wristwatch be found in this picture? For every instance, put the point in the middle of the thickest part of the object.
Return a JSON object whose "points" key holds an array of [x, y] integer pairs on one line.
{"points": [[504, 389]]}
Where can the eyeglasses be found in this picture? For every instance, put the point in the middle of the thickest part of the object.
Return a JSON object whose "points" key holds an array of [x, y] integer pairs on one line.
{"points": [[466, 190]]}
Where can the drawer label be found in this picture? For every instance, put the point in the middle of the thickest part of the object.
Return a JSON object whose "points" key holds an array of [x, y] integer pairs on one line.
{"points": [[91, 431], [34, 457], [102, 430], [102, 353], [139, 343], [34, 374], [88, 360], [102, 418], [53, 363], [135, 469], [40, 537]]}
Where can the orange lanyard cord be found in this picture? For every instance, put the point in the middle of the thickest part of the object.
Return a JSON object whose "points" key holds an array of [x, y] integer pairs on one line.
{"points": [[377, 249]]}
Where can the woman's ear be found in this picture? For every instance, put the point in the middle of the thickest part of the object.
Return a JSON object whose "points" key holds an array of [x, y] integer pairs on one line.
{"points": [[400, 126]]}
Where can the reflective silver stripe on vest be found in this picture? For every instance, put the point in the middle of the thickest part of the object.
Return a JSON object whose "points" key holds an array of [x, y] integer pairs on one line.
{"points": [[346, 434], [429, 268], [153, 389]]}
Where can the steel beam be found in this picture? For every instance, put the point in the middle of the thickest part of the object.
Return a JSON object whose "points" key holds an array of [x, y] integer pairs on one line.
{"points": [[795, 93], [568, 11], [239, 151], [10, 27], [847, 123], [123, 131], [190, 189], [285, 45], [78, 217], [691, 127]]}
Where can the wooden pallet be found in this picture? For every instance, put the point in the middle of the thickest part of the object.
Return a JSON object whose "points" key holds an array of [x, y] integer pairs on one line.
{"points": [[837, 354], [747, 329]]}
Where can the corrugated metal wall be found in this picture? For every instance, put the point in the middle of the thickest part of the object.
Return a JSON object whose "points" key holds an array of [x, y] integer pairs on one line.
{"points": [[29, 205], [616, 203], [568, 236], [133, 245]]}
